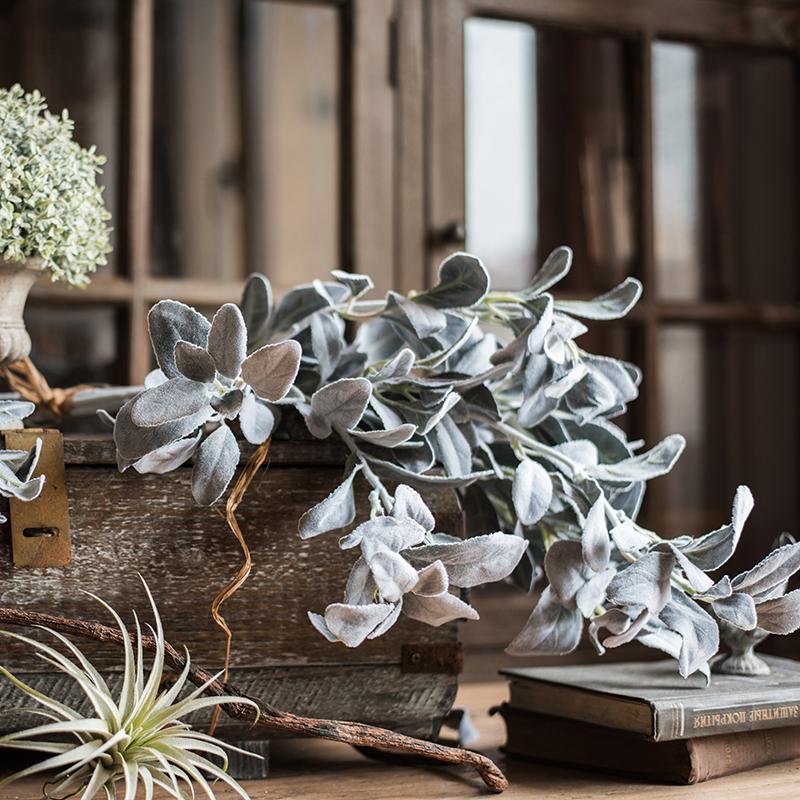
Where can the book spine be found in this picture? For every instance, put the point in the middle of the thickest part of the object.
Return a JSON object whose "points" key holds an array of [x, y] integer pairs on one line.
{"points": [[674, 720]]}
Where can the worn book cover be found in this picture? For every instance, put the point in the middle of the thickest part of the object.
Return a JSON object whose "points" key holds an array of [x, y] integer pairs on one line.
{"points": [[651, 699], [684, 761]]}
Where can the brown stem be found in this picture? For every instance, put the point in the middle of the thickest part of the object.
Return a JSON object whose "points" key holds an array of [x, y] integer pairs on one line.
{"points": [[352, 733]]}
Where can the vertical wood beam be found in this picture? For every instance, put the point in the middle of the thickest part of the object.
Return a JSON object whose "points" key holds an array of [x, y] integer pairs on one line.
{"points": [[140, 109]]}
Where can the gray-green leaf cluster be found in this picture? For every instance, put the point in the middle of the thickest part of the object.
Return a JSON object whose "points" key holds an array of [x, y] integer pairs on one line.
{"points": [[50, 204], [17, 466], [488, 393]]}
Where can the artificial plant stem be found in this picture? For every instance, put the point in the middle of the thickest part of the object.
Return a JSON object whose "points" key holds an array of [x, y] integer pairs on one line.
{"points": [[371, 477], [352, 733]]}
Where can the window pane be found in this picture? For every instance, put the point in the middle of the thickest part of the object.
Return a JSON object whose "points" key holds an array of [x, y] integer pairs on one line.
{"points": [[725, 174], [70, 52], [548, 152], [245, 140], [732, 392]]}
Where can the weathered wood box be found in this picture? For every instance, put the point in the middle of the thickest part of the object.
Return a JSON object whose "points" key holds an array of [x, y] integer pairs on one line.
{"points": [[124, 524]]}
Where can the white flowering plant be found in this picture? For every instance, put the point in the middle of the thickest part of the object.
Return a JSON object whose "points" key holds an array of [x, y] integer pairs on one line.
{"points": [[51, 206]]}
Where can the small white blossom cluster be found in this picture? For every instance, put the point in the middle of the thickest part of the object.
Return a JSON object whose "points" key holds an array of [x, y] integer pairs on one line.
{"points": [[50, 204]]}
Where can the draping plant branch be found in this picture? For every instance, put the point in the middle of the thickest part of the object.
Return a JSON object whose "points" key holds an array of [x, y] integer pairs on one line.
{"points": [[248, 710], [17, 466], [485, 392]]}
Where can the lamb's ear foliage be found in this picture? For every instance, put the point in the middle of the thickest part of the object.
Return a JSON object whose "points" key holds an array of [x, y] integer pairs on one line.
{"points": [[487, 393]]}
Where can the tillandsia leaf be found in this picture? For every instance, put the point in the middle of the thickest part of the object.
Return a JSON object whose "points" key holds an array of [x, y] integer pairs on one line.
{"points": [[551, 629], [137, 739], [227, 340], [474, 561], [255, 420], [611, 305], [13, 412], [170, 322], [532, 491], [271, 369], [256, 305], [216, 462], [780, 614], [463, 282], [341, 403], [172, 401], [337, 510]]}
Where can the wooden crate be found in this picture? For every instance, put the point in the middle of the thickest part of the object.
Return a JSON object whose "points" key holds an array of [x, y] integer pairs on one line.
{"points": [[128, 523]]}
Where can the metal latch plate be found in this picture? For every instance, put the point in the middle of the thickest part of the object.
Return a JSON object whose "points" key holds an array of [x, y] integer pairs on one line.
{"points": [[40, 533]]}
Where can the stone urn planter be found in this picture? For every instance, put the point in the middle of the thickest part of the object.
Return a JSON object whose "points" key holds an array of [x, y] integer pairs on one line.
{"points": [[16, 280]]}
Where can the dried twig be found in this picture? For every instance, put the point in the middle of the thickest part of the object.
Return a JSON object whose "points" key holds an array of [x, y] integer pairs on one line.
{"points": [[352, 733]]}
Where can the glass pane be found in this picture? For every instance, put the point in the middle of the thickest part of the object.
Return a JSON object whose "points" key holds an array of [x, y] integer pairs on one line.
{"points": [[733, 393], [548, 152], [725, 174], [77, 343], [71, 52], [245, 140]]}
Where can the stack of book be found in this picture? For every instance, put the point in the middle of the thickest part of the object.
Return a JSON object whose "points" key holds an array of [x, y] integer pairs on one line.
{"points": [[643, 719]]}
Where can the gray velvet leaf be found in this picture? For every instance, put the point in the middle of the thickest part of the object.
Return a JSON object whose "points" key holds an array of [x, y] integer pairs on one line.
{"points": [[698, 579], [628, 540], [255, 420], [770, 572], [133, 442], [780, 614], [463, 282], [318, 621], [388, 622], [738, 609], [425, 320], [339, 403], [645, 466], [408, 504], [256, 305], [169, 457], [532, 491], [451, 447], [194, 362], [397, 367], [12, 486], [12, 411], [170, 322], [698, 630], [438, 609], [327, 342], [537, 334], [229, 405], [360, 586], [154, 378], [551, 629], [352, 624], [714, 549], [595, 540], [357, 284], [271, 369], [393, 575], [611, 305], [227, 340], [563, 565], [563, 330], [337, 510], [646, 582], [555, 267], [581, 450], [432, 580], [473, 561], [623, 629], [297, 305], [22, 463], [174, 400], [450, 401], [395, 534], [720, 590], [426, 480], [391, 438], [214, 466]]}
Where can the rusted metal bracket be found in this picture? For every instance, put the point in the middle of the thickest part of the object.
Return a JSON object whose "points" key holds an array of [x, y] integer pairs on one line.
{"points": [[40, 533], [433, 659]]}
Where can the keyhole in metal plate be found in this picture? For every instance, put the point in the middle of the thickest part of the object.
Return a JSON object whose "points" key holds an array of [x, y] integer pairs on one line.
{"points": [[37, 533]]}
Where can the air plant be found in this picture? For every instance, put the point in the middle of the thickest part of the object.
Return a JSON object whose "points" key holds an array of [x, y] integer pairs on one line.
{"points": [[487, 393], [136, 738]]}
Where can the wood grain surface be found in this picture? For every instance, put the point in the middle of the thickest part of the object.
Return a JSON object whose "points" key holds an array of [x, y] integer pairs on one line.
{"points": [[324, 770]]}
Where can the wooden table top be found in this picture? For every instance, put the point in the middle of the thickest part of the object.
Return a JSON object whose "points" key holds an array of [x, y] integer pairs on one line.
{"points": [[316, 769]]}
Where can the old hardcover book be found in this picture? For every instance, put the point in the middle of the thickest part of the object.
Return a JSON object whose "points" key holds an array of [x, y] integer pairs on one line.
{"points": [[651, 699], [685, 761]]}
